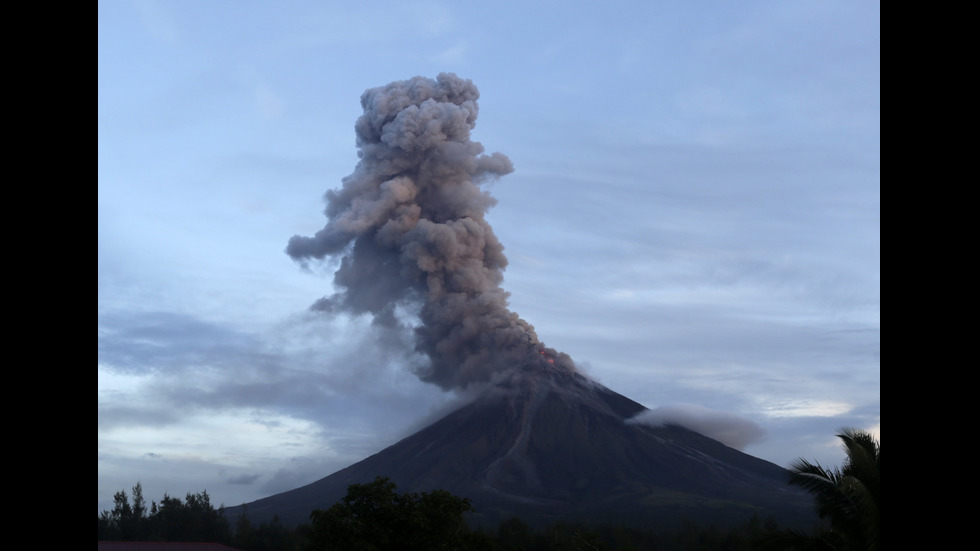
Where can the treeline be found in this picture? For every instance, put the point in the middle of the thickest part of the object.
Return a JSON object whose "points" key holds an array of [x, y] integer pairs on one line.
{"points": [[193, 519], [375, 516]]}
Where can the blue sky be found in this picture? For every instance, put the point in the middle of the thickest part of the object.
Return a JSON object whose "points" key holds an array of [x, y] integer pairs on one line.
{"points": [[694, 217]]}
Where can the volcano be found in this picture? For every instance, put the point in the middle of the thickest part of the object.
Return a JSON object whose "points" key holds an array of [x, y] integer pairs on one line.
{"points": [[550, 445], [413, 250]]}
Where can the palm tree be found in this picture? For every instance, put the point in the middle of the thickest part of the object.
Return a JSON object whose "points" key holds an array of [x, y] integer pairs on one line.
{"points": [[849, 497]]}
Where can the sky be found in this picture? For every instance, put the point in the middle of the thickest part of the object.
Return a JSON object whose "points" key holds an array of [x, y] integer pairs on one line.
{"points": [[693, 217]]}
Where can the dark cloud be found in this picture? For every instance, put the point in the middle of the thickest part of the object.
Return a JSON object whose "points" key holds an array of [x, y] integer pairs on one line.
{"points": [[140, 342], [329, 372], [132, 415], [245, 479]]}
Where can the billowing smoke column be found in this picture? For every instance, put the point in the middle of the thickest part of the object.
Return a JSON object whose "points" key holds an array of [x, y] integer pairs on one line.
{"points": [[409, 228]]}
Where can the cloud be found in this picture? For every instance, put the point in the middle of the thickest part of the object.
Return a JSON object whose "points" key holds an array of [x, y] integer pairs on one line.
{"points": [[727, 428], [245, 479]]}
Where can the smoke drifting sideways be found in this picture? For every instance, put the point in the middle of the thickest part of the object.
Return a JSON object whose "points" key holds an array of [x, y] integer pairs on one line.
{"points": [[415, 250], [730, 430]]}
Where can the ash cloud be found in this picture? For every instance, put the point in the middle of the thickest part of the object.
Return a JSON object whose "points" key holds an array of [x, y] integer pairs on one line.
{"points": [[409, 228]]}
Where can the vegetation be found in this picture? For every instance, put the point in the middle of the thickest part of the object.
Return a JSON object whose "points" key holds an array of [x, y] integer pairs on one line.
{"points": [[849, 497], [375, 517], [193, 519]]}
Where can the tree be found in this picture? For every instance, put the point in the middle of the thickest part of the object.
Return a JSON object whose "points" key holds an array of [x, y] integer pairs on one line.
{"points": [[849, 497], [195, 519], [374, 517], [170, 520], [125, 521], [266, 536]]}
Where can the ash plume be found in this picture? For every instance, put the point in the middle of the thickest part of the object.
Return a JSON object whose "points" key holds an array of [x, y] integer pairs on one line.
{"points": [[409, 230]]}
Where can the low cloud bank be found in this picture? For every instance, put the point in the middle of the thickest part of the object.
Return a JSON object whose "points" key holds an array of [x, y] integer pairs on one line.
{"points": [[729, 429]]}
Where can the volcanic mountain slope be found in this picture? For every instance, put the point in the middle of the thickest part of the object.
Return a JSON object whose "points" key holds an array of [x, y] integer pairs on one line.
{"points": [[557, 446]]}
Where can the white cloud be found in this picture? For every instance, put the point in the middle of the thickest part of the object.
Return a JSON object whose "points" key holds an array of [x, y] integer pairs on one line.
{"points": [[731, 430]]}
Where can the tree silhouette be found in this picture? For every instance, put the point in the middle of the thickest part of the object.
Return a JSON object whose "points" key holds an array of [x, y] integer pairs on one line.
{"points": [[125, 521], [373, 517], [849, 497], [196, 519]]}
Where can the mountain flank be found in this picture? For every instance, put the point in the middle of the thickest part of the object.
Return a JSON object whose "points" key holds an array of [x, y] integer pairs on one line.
{"points": [[549, 445]]}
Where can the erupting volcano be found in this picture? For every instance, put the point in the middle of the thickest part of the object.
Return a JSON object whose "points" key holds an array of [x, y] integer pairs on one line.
{"points": [[541, 440]]}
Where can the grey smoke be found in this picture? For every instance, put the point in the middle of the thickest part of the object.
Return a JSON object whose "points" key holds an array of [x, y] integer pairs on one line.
{"points": [[409, 228]]}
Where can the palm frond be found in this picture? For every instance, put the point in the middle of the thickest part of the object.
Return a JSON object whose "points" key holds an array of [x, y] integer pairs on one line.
{"points": [[848, 496]]}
